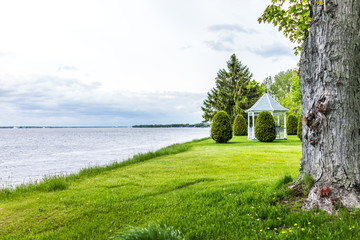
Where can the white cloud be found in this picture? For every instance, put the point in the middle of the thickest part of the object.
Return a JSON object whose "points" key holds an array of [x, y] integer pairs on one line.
{"points": [[231, 28], [219, 46], [44, 100], [2, 54], [73, 58], [273, 50], [67, 68]]}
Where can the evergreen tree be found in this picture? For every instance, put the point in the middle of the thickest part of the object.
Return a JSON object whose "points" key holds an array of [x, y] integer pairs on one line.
{"points": [[234, 92]]}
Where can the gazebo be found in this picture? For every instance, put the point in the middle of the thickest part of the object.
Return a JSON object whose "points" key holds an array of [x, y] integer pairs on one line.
{"points": [[266, 103]]}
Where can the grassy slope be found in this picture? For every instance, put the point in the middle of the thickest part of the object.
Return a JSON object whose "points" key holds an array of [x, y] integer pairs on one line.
{"points": [[212, 191]]}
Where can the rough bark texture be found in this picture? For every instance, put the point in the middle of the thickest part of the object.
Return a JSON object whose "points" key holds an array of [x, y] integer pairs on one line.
{"points": [[330, 87]]}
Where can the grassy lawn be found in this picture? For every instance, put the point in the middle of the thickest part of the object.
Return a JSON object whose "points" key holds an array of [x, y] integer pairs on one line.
{"points": [[206, 190]]}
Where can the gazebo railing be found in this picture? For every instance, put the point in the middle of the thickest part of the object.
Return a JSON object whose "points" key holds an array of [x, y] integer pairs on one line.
{"points": [[280, 133]]}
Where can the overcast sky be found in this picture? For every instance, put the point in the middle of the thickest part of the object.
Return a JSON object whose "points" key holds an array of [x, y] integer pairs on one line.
{"points": [[104, 62]]}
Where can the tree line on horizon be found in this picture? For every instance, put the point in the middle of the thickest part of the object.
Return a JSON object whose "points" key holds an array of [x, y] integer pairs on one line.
{"points": [[176, 125]]}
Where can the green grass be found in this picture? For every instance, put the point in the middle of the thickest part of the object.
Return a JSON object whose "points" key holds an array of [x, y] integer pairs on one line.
{"points": [[150, 232], [61, 182], [202, 189]]}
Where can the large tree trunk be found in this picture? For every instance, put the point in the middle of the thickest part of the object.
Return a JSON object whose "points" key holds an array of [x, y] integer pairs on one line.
{"points": [[330, 87]]}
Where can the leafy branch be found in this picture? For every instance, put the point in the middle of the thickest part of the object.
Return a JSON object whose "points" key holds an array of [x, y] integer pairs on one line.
{"points": [[292, 17]]}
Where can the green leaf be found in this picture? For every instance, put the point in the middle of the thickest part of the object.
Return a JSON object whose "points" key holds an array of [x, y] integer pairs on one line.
{"points": [[294, 20]]}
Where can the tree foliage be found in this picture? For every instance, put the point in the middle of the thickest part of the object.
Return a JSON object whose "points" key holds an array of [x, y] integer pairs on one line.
{"points": [[173, 125], [240, 127], [221, 128], [234, 92], [285, 88], [265, 130], [292, 18], [280, 85], [292, 100]]}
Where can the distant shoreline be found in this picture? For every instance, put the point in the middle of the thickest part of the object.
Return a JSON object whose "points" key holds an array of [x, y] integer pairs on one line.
{"points": [[196, 125]]}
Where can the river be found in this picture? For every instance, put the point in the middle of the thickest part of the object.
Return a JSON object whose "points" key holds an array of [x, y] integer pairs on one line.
{"points": [[27, 155]]}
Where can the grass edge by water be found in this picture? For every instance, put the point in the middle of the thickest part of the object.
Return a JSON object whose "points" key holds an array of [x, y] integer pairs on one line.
{"points": [[232, 206], [62, 181]]}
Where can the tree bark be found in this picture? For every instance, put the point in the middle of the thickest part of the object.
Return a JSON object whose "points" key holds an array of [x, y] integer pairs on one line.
{"points": [[330, 86]]}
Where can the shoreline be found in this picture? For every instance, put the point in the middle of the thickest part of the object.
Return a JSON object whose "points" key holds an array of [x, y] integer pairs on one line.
{"points": [[49, 152], [98, 169]]}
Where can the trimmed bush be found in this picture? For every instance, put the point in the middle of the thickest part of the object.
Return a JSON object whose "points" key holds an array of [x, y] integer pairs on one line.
{"points": [[265, 130], [221, 129], [240, 127], [291, 125], [299, 129]]}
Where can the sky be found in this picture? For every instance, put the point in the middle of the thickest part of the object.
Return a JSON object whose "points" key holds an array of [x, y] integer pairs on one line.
{"points": [[121, 63]]}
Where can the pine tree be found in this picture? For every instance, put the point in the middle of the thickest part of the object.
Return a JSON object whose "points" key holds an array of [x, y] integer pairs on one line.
{"points": [[234, 92]]}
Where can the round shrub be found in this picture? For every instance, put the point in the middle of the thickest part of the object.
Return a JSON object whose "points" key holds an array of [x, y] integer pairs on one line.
{"points": [[221, 129], [291, 125], [240, 127], [265, 130], [299, 129]]}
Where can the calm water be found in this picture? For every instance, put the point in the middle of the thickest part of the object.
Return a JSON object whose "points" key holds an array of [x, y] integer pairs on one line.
{"points": [[28, 154]]}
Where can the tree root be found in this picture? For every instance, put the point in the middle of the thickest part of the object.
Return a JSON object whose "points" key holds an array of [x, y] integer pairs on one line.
{"points": [[330, 199]]}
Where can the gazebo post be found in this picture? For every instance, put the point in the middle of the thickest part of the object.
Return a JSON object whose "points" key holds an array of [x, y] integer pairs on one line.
{"points": [[285, 135], [278, 125], [249, 127], [253, 126]]}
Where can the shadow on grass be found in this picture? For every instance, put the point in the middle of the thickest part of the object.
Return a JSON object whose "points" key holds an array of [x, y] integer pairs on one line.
{"points": [[174, 188]]}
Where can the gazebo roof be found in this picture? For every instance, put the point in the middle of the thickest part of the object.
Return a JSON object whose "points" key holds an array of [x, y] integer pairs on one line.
{"points": [[267, 103]]}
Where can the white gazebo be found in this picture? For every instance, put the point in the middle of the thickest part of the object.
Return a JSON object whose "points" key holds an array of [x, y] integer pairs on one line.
{"points": [[266, 103]]}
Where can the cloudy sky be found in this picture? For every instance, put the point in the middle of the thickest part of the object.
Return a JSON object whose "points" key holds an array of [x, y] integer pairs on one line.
{"points": [[117, 62]]}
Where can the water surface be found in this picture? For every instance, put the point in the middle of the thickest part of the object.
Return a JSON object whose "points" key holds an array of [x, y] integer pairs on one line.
{"points": [[28, 154]]}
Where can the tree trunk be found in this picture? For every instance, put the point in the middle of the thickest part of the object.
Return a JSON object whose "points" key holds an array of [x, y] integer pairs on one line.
{"points": [[330, 87]]}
